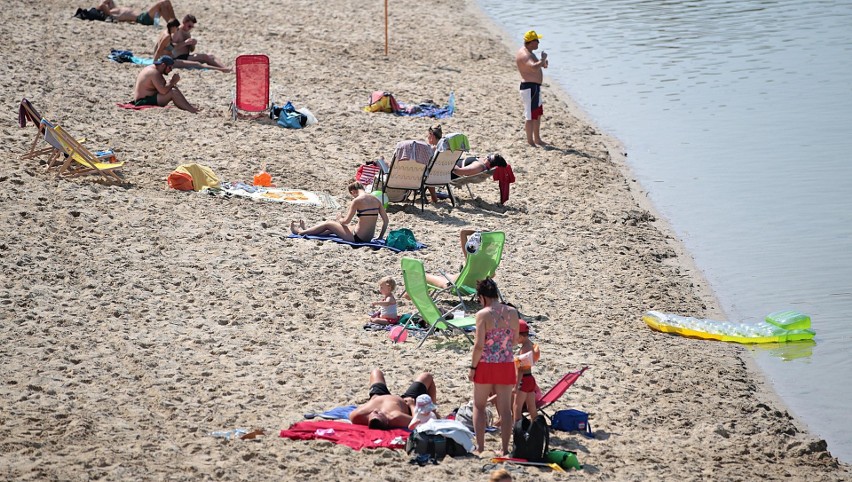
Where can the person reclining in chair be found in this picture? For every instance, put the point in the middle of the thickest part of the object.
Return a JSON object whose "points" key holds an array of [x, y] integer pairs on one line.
{"points": [[163, 8], [385, 411], [471, 166], [440, 280]]}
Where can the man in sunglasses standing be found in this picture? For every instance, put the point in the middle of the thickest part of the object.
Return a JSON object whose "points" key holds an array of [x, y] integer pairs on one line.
{"points": [[530, 68], [152, 89]]}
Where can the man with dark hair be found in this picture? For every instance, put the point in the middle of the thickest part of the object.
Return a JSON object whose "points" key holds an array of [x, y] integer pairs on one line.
{"points": [[383, 410], [163, 8], [184, 45], [151, 87]]}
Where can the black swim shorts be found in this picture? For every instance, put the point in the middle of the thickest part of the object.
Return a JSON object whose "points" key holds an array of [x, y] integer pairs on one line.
{"points": [[414, 390]]}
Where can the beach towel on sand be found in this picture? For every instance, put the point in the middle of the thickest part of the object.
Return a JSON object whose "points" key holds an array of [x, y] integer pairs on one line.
{"points": [[124, 56], [429, 109], [355, 436], [375, 244], [337, 413]]}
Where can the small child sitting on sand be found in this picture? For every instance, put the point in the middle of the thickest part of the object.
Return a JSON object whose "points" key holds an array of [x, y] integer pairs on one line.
{"points": [[424, 410], [526, 358], [387, 306]]}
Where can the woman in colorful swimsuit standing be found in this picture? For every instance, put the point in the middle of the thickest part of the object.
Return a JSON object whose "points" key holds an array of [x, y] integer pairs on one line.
{"points": [[492, 366]]}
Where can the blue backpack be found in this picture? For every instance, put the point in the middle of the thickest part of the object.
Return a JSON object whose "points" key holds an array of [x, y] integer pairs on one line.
{"points": [[288, 116], [572, 420]]}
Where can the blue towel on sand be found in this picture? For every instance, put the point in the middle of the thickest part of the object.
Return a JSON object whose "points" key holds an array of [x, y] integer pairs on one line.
{"points": [[122, 56], [337, 413], [429, 109], [376, 243]]}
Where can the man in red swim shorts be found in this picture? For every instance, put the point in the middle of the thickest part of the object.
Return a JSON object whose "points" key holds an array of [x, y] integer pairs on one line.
{"points": [[530, 68]]}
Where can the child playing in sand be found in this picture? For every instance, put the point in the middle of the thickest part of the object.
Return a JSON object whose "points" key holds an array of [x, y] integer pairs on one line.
{"points": [[528, 355], [387, 306]]}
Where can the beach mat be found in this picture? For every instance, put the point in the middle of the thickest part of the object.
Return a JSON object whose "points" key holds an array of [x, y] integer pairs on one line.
{"points": [[279, 194], [337, 413], [375, 244], [355, 436]]}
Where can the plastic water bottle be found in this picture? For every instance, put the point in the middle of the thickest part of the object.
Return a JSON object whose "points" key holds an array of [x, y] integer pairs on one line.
{"points": [[156, 20]]}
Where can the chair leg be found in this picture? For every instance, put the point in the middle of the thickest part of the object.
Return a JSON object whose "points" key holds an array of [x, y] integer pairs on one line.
{"points": [[452, 196], [428, 334]]}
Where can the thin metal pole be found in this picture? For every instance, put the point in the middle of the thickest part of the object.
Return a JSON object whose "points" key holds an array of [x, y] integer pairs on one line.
{"points": [[386, 27]]}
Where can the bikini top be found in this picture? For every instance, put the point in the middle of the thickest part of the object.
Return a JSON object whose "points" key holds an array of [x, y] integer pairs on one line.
{"points": [[363, 212]]}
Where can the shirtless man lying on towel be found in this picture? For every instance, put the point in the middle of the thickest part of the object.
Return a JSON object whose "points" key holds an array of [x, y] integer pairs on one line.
{"points": [[163, 8], [383, 410]]}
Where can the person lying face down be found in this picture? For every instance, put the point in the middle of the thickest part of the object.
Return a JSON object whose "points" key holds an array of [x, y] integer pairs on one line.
{"points": [[384, 410]]}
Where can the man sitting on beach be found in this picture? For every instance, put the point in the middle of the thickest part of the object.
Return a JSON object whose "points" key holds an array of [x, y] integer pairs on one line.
{"points": [[151, 87], [163, 8], [183, 45], [385, 411]]}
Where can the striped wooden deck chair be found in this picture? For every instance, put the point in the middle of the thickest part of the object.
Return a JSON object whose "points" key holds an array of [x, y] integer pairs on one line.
{"points": [[80, 161]]}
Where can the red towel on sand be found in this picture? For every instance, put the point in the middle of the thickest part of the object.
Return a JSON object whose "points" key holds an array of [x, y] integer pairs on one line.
{"points": [[504, 176], [355, 436]]}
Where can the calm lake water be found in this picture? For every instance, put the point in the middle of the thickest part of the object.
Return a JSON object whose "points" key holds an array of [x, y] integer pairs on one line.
{"points": [[737, 119]]}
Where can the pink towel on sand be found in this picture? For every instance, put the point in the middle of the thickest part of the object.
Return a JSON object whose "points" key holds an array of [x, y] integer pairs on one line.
{"points": [[356, 436]]}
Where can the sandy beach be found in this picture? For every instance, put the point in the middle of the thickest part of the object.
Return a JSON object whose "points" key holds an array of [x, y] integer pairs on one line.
{"points": [[136, 319]]}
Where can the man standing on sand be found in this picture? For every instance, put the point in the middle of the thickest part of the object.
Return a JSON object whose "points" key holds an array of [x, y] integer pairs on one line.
{"points": [[385, 411], [184, 45], [163, 8], [531, 76], [151, 87]]}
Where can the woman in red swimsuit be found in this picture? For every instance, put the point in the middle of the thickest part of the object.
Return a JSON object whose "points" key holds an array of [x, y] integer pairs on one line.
{"points": [[492, 367]]}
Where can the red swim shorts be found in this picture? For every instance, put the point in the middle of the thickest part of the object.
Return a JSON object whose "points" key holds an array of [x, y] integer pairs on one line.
{"points": [[527, 384]]}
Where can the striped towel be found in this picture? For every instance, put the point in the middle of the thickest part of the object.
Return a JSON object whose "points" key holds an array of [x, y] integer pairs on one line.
{"points": [[366, 174], [414, 151]]}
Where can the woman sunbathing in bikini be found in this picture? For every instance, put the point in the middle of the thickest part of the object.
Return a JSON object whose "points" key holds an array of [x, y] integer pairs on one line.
{"points": [[366, 206]]}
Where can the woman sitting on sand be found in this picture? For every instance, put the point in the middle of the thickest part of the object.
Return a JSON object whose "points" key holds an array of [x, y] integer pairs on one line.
{"points": [[366, 206], [165, 47]]}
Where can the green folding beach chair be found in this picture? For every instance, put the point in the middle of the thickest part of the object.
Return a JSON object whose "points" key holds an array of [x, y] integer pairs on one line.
{"points": [[414, 277], [478, 266]]}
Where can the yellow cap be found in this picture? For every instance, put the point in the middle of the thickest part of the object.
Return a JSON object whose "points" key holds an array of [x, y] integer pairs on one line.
{"points": [[531, 35]]}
